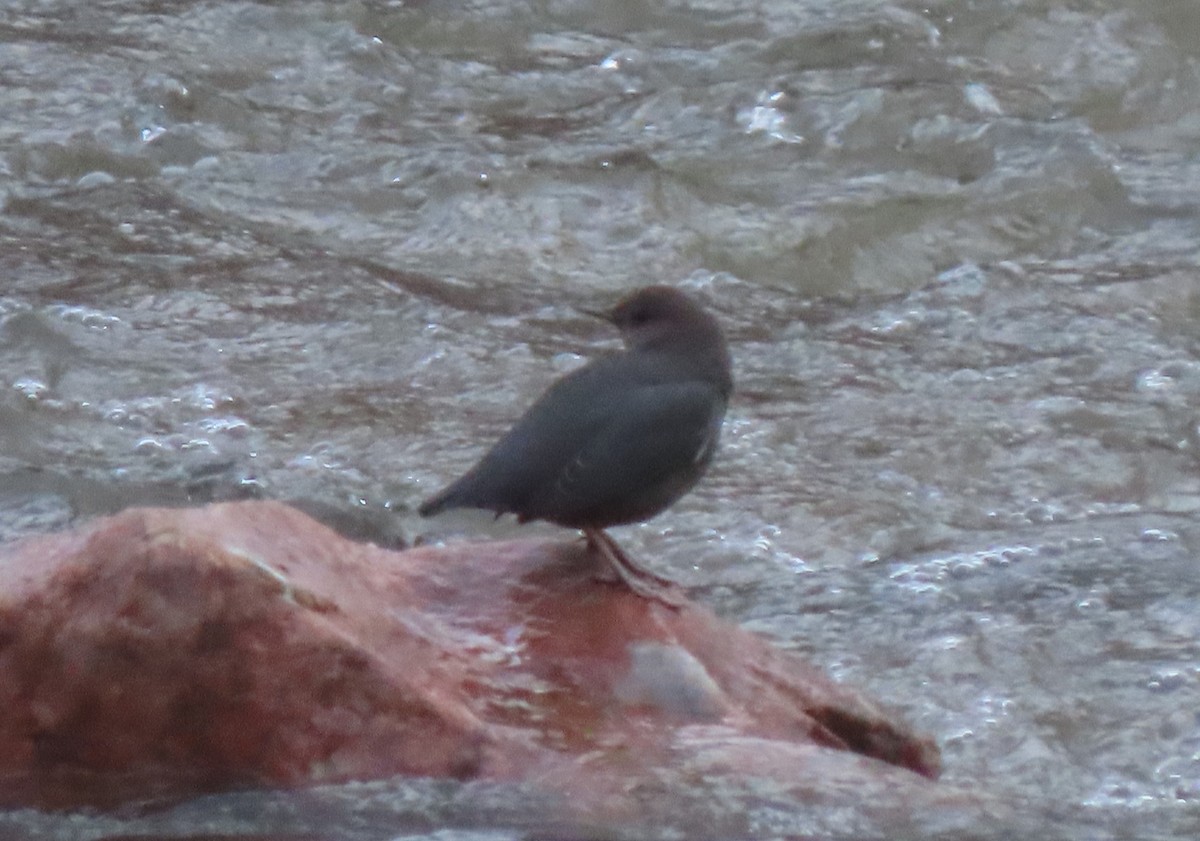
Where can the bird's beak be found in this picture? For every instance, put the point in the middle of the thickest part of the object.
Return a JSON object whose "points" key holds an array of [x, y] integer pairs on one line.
{"points": [[600, 314]]}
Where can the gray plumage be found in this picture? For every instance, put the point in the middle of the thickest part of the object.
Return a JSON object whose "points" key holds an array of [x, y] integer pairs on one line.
{"points": [[620, 439]]}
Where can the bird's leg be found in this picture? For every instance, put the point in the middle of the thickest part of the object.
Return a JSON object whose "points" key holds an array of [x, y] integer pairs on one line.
{"points": [[607, 572], [637, 578], [622, 558]]}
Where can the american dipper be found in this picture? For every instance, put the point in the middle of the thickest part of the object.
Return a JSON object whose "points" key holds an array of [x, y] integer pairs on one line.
{"points": [[616, 441]]}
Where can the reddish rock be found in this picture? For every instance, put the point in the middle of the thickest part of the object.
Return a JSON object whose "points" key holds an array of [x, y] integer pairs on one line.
{"points": [[176, 650]]}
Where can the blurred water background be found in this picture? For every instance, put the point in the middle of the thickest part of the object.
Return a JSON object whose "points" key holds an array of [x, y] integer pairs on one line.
{"points": [[325, 251]]}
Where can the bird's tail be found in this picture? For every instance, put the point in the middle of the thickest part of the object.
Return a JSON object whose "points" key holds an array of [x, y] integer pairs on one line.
{"points": [[438, 503], [471, 490], [462, 493]]}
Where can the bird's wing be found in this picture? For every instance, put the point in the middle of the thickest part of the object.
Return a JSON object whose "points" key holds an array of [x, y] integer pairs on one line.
{"points": [[651, 444], [527, 459], [599, 434]]}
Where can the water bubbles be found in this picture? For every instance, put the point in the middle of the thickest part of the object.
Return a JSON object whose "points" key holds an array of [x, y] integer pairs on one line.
{"points": [[965, 281], [623, 64], [967, 376], [148, 446], [1158, 536], [1121, 793], [981, 99], [309, 461], [320, 457], [1042, 513], [91, 318], [915, 577], [1092, 604], [620, 60], [198, 444], [96, 178], [230, 425], [31, 389], [202, 397], [995, 707], [1153, 381], [931, 574], [889, 324], [765, 117], [1167, 680], [361, 47], [1173, 385]]}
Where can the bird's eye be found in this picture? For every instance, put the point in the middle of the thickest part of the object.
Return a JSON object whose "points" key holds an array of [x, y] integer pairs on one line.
{"points": [[639, 316]]}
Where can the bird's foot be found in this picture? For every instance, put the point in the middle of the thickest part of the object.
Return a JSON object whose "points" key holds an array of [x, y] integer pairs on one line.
{"points": [[633, 575], [619, 559]]}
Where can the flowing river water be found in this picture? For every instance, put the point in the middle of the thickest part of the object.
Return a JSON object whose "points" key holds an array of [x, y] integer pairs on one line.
{"points": [[326, 251]]}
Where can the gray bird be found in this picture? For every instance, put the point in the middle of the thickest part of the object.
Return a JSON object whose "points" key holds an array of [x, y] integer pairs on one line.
{"points": [[616, 441]]}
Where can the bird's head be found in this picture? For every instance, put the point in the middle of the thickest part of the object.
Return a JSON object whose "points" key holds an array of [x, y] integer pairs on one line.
{"points": [[659, 316], [665, 320]]}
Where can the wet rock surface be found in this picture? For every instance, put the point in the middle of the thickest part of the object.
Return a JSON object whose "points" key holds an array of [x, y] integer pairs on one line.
{"points": [[174, 651]]}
